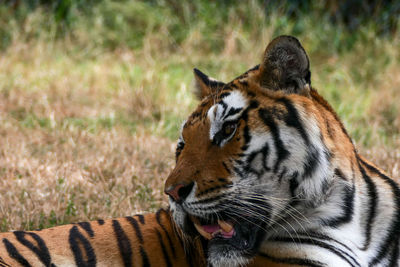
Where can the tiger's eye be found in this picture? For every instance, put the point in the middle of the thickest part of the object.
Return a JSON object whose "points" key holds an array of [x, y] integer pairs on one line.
{"points": [[229, 129]]}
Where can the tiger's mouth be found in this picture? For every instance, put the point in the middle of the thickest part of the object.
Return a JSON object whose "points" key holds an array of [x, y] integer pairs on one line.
{"points": [[225, 236], [222, 229]]}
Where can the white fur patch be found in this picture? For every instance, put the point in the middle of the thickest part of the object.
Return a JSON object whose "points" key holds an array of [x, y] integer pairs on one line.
{"points": [[218, 113]]}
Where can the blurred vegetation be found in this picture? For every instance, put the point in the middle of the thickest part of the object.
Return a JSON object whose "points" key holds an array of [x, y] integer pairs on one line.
{"points": [[114, 23], [92, 93], [350, 44]]}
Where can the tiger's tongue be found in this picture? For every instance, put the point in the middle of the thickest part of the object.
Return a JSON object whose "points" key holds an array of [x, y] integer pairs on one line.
{"points": [[209, 231], [211, 228], [215, 228]]}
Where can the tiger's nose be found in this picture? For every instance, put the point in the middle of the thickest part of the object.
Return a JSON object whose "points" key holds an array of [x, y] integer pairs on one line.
{"points": [[179, 192]]}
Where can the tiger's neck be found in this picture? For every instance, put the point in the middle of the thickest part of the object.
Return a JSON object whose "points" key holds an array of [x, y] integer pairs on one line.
{"points": [[356, 220]]}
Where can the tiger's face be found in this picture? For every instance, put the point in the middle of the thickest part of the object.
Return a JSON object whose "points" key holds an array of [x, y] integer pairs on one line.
{"points": [[250, 151]]}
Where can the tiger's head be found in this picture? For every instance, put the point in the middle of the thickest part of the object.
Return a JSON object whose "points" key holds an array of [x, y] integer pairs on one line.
{"points": [[252, 150]]}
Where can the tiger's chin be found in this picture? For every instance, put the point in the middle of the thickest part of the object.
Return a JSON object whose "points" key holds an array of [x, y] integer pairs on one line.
{"points": [[226, 258], [228, 241]]}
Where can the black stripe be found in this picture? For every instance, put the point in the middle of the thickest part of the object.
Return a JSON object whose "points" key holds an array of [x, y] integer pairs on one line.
{"points": [[292, 119], [326, 238], [265, 152], [195, 114], [158, 218], [40, 250], [124, 244], [87, 227], [3, 263], [13, 253], [216, 84], [309, 241], [238, 162], [164, 250], [251, 94], [248, 168], [348, 205], [215, 188], [180, 240], [203, 104], [232, 85], [225, 94], [246, 132], [207, 200], [140, 217], [373, 199], [145, 259], [100, 221], [326, 184], [281, 151], [244, 83], [293, 184], [253, 104], [78, 241], [293, 261], [311, 162], [232, 111], [282, 174], [226, 167], [136, 227], [329, 129], [238, 172], [340, 174], [393, 234], [224, 106], [395, 254], [139, 236]]}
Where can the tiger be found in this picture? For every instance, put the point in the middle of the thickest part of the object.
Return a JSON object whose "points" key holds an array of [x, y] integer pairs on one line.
{"points": [[150, 239], [267, 175]]}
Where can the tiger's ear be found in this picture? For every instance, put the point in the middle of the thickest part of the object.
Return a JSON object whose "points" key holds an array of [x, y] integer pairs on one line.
{"points": [[205, 85], [285, 66]]}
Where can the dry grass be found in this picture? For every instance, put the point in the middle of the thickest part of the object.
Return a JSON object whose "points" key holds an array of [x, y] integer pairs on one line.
{"points": [[90, 134], [72, 149], [70, 174]]}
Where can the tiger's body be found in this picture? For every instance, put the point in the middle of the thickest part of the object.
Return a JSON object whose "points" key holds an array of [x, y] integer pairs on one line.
{"points": [[140, 240], [265, 175]]}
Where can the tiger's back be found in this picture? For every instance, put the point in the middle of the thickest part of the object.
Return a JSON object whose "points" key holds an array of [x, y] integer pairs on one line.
{"points": [[140, 240]]}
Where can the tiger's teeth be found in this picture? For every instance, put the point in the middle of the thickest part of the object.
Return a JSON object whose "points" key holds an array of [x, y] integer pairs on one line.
{"points": [[199, 229], [216, 233], [226, 227]]}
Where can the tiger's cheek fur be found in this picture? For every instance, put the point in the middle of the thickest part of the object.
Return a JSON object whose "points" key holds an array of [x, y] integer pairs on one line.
{"points": [[284, 159]]}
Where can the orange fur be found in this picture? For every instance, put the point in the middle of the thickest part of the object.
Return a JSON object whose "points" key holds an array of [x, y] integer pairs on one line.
{"points": [[103, 238]]}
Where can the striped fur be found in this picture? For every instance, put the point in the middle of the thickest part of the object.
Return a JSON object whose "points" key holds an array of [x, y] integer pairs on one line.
{"points": [[267, 154], [140, 240]]}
